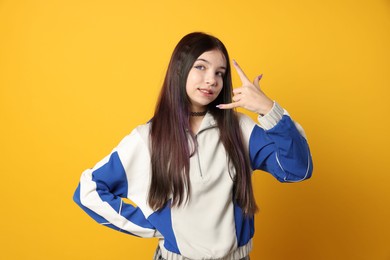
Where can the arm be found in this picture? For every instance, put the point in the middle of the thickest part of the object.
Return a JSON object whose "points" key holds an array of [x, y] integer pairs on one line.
{"points": [[119, 175], [279, 145]]}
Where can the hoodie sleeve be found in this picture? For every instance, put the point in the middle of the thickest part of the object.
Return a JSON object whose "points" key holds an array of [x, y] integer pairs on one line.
{"points": [[279, 146], [121, 174]]}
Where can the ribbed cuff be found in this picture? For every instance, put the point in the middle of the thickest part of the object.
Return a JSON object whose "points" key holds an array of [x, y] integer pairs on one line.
{"points": [[270, 119]]}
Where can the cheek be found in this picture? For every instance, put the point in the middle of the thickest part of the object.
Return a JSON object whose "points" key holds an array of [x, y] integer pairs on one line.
{"points": [[220, 84], [192, 79], [189, 81], [220, 81]]}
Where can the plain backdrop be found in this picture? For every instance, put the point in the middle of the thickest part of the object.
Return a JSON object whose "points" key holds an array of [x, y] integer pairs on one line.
{"points": [[76, 76]]}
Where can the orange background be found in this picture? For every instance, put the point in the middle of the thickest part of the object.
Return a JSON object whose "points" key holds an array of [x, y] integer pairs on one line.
{"points": [[77, 76]]}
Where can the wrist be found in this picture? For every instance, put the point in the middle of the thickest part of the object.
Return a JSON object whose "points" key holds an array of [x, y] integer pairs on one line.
{"points": [[266, 108], [270, 119]]}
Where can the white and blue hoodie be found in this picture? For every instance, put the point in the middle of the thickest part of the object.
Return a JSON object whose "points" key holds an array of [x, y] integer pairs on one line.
{"points": [[210, 225]]}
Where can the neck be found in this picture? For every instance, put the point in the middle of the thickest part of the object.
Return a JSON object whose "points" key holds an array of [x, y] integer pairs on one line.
{"points": [[195, 122], [203, 113]]}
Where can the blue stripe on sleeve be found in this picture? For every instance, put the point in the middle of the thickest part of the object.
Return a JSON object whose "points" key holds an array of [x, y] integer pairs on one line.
{"points": [[76, 198], [99, 219], [135, 215], [260, 147], [111, 185], [282, 151], [111, 179]]}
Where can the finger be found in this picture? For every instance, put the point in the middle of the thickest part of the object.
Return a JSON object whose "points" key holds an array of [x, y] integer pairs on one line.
{"points": [[237, 90], [237, 98], [256, 81], [228, 106], [241, 73]]}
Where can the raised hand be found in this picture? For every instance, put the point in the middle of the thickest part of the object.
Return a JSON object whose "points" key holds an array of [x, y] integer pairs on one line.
{"points": [[249, 96]]}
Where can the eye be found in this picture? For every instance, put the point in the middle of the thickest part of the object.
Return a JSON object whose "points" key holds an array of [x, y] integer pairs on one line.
{"points": [[220, 74], [199, 67]]}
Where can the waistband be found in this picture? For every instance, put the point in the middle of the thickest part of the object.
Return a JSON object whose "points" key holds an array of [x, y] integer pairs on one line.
{"points": [[240, 253]]}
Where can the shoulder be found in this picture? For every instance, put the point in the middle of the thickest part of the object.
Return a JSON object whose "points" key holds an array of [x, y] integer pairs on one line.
{"points": [[143, 131], [136, 139], [133, 150]]}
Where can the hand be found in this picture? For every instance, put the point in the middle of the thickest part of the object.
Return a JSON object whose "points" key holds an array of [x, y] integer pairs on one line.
{"points": [[249, 95]]}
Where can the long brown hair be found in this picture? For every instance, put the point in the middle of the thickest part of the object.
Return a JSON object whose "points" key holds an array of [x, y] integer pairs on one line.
{"points": [[170, 152]]}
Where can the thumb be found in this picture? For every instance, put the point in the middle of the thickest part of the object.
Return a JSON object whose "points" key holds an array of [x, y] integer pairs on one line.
{"points": [[256, 81]]}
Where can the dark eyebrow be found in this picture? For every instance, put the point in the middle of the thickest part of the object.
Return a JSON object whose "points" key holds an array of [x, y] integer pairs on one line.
{"points": [[222, 67]]}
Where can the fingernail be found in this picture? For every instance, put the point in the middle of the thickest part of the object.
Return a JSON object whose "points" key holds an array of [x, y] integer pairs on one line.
{"points": [[219, 106], [235, 62], [259, 78]]}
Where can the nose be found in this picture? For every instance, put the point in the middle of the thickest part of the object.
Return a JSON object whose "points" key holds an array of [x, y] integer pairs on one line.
{"points": [[211, 80]]}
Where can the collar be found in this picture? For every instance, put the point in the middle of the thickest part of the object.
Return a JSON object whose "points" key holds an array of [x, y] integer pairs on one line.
{"points": [[208, 122]]}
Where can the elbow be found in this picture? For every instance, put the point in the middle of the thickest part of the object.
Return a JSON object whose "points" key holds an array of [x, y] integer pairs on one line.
{"points": [[76, 196], [302, 171], [310, 171], [302, 174], [301, 177]]}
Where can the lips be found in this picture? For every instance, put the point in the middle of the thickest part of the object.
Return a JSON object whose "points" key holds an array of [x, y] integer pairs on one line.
{"points": [[206, 91]]}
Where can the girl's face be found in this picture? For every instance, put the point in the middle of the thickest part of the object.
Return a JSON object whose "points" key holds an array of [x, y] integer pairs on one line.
{"points": [[205, 79]]}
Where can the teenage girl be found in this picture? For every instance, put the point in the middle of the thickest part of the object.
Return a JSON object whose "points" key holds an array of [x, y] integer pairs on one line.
{"points": [[188, 170]]}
